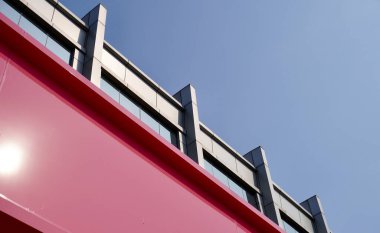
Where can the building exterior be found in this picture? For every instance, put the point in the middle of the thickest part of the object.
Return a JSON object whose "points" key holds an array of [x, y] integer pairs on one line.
{"points": [[59, 73]]}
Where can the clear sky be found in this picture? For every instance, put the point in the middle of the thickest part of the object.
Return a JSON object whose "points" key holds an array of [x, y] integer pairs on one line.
{"points": [[299, 77]]}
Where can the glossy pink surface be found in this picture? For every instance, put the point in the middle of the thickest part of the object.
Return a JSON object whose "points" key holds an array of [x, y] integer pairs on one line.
{"points": [[90, 166]]}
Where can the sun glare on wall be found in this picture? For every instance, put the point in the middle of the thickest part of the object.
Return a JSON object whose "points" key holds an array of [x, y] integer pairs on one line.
{"points": [[11, 156]]}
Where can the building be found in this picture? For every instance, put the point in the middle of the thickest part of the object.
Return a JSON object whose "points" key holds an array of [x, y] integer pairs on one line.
{"points": [[106, 148]]}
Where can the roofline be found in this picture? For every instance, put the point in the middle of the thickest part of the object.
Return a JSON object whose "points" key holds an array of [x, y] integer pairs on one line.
{"points": [[222, 143], [291, 200], [128, 63]]}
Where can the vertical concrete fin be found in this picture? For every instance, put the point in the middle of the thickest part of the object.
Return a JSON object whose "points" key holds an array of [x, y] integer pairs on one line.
{"points": [[258, 159], [314, 206], [178, 96], [188, 98], [96, 20]]}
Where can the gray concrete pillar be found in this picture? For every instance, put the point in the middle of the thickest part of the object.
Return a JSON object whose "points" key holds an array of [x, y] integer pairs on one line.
{"points": [[96, 21], [187, 97], [258, 158], [314, 206]]}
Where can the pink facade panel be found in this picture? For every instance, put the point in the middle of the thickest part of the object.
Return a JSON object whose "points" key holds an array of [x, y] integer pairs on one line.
{"points": [[83, 164], [83, 177]]}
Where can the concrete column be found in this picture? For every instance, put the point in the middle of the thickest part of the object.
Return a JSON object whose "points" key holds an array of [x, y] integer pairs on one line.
{"points": [[96, 21], [314, 206], [187, 97], [258, 158]]}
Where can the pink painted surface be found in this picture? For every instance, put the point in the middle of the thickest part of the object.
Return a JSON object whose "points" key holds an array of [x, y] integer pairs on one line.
{"points": [[90, 166]]}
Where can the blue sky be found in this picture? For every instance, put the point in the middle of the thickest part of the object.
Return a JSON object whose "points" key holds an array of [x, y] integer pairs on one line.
{"points": [[301, 78]]}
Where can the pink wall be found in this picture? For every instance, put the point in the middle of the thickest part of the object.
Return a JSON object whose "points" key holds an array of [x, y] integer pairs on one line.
{"points": [[89, 166]]}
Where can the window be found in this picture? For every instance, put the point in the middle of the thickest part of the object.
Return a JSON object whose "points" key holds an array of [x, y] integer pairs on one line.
{"points": [[130, 106], [58, 49], [110, 90], [289, 226], [35, 31], [136, 110], [150, 121], [165, 133], [8, 11], [228, 181]]}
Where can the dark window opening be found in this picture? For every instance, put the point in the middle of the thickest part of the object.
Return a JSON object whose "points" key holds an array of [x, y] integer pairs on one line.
{"points": [[32, 28], [227, 178], [136, 109], [290, 226]]}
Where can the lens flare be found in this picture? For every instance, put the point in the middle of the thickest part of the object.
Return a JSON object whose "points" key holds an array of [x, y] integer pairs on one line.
{"points": [[10, 158]]}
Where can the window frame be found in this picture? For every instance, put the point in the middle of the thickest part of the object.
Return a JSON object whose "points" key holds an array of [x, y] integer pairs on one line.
{"points": [[50, 32], [143, 108], [289, 221], [250, 194]]}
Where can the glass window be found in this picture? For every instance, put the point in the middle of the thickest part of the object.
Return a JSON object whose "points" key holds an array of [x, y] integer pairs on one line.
{"points": [[152, 123], [58, 50], [129, 105], [237, 189], [33, 30], [173, 138], [8, 11], [252, 199], [288, 228], [230, 183], [109, 90], [221, 177], [209, 167], [165, 133]]}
